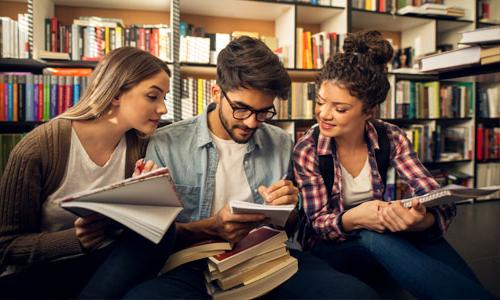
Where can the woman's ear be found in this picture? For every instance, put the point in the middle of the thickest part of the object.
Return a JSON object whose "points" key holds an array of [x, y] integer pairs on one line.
{"points": [[116, 101], [370, 113]]}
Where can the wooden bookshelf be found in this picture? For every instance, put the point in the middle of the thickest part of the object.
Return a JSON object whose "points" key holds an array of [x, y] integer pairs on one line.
{"points": [[281, 19]]}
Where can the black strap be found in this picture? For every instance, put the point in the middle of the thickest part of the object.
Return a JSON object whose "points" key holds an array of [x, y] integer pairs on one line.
{"points": [[382, 156]]}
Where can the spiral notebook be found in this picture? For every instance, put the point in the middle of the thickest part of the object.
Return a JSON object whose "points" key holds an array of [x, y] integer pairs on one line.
{"points": [[450, 194]]}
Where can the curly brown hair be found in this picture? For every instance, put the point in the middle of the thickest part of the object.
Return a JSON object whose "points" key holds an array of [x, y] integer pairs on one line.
{"points": [[361, 68]]}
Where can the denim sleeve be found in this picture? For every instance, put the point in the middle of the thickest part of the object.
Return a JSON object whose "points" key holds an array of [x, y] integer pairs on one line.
{"points": [[154, 152]]}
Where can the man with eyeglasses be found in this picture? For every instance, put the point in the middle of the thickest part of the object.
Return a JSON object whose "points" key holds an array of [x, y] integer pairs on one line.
{"points": [[230, 153]]}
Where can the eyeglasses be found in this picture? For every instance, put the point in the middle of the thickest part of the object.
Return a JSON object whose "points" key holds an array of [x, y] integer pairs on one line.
{"points": [[243, 113]]}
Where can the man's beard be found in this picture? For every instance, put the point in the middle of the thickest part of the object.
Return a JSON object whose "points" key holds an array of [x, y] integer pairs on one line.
{"points": [[230, 130]]}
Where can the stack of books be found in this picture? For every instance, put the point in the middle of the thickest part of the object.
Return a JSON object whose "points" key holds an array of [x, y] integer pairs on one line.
{"points": [[433, 9], [257, 264], [483, 48]]}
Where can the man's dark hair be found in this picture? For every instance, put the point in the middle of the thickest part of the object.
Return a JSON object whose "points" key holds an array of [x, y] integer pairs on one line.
{"points": [[361, 68], [248, 63]]}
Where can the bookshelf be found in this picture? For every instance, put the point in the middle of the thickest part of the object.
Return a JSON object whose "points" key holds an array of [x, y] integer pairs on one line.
{"points": [[420, 34]]}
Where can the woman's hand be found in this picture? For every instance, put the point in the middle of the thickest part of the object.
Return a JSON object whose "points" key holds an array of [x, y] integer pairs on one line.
{"points": [[91, 230], [395, 217], [365, 216]]}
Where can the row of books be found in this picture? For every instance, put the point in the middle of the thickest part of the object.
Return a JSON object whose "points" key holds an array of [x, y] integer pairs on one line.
{"points": [[7, 143], [374, 5], [489, 102], [198, 46], [434, 143], [195, 95], [90, 38], [31, 97], [300, 103], [488, 143], [487, 174], [14, 42], [417, 100], [313, 50]]}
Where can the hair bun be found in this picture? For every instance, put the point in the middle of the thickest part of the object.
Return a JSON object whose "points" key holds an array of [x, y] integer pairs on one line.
{"points": [[371, 44]]}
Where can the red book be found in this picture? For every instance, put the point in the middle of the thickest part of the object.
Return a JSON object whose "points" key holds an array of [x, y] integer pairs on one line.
{"points": [[258, 241], [68, 95], [486, 143], [40, 99], [54, 38], [479, 149], [60, 95], [2, 102]]}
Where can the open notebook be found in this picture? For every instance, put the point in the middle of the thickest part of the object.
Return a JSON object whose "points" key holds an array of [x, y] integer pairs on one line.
{"points": [[147, 204]]}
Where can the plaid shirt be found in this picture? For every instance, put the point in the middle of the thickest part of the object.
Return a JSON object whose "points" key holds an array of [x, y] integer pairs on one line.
{"points": [[323, 214]]}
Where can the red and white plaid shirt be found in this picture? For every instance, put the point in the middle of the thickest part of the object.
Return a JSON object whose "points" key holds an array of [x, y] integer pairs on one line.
{"points": [[323, 214]]}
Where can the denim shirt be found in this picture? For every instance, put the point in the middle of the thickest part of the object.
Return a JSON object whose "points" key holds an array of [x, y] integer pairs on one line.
{"points": [[188, 150]]}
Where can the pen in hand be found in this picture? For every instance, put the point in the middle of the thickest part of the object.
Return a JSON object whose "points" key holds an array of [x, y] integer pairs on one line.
{"points": [[264, 192], [139, 167]]}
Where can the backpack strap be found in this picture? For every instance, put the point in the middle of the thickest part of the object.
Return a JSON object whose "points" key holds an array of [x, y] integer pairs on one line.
{"points": [[382, 156]]}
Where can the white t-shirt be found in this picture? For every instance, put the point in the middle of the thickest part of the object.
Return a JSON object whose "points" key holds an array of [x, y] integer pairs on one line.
{"points": [[230, 179], [357, 190], [81, 174]]}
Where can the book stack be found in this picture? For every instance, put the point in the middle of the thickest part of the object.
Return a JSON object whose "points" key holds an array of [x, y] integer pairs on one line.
{"points": [[194, 252], [430, 9], [483, 48], [256, 265], [195, 95]]}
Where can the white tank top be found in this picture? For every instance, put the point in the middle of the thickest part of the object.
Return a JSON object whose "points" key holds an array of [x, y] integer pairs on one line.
{"points": [[359, 189], [81, 174]]}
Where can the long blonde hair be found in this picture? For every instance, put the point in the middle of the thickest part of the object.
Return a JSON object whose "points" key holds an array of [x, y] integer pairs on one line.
{"points": [[118, 72]]}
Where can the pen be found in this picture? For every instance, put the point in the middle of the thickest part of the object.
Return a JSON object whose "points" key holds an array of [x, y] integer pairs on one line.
{"points": [[140, 165], [282, 178]]}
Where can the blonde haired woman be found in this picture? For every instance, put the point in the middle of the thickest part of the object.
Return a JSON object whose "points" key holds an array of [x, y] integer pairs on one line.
{"points": [[95, 143]]}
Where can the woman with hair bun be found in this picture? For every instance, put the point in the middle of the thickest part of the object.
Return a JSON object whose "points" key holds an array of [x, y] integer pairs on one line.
{"points": [[341, 166]]}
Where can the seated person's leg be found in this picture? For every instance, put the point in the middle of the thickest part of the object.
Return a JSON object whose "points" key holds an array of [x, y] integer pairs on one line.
{"points": [[315, 279], [441, 250], [185, 282], [132, 260], [419, 273]]}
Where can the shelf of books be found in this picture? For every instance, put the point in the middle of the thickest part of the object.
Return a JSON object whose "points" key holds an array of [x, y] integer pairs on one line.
{"points": [[440, 107]]}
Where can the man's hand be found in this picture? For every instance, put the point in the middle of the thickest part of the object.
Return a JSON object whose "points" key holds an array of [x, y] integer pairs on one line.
{"points": [[233, 227], [396, 217], [91, 230], [365, 216], [280, 193]]}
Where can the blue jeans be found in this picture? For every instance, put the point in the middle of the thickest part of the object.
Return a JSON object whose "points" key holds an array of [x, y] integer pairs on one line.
{"points": [[132, 260], [428, 269], [315, 279]]}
